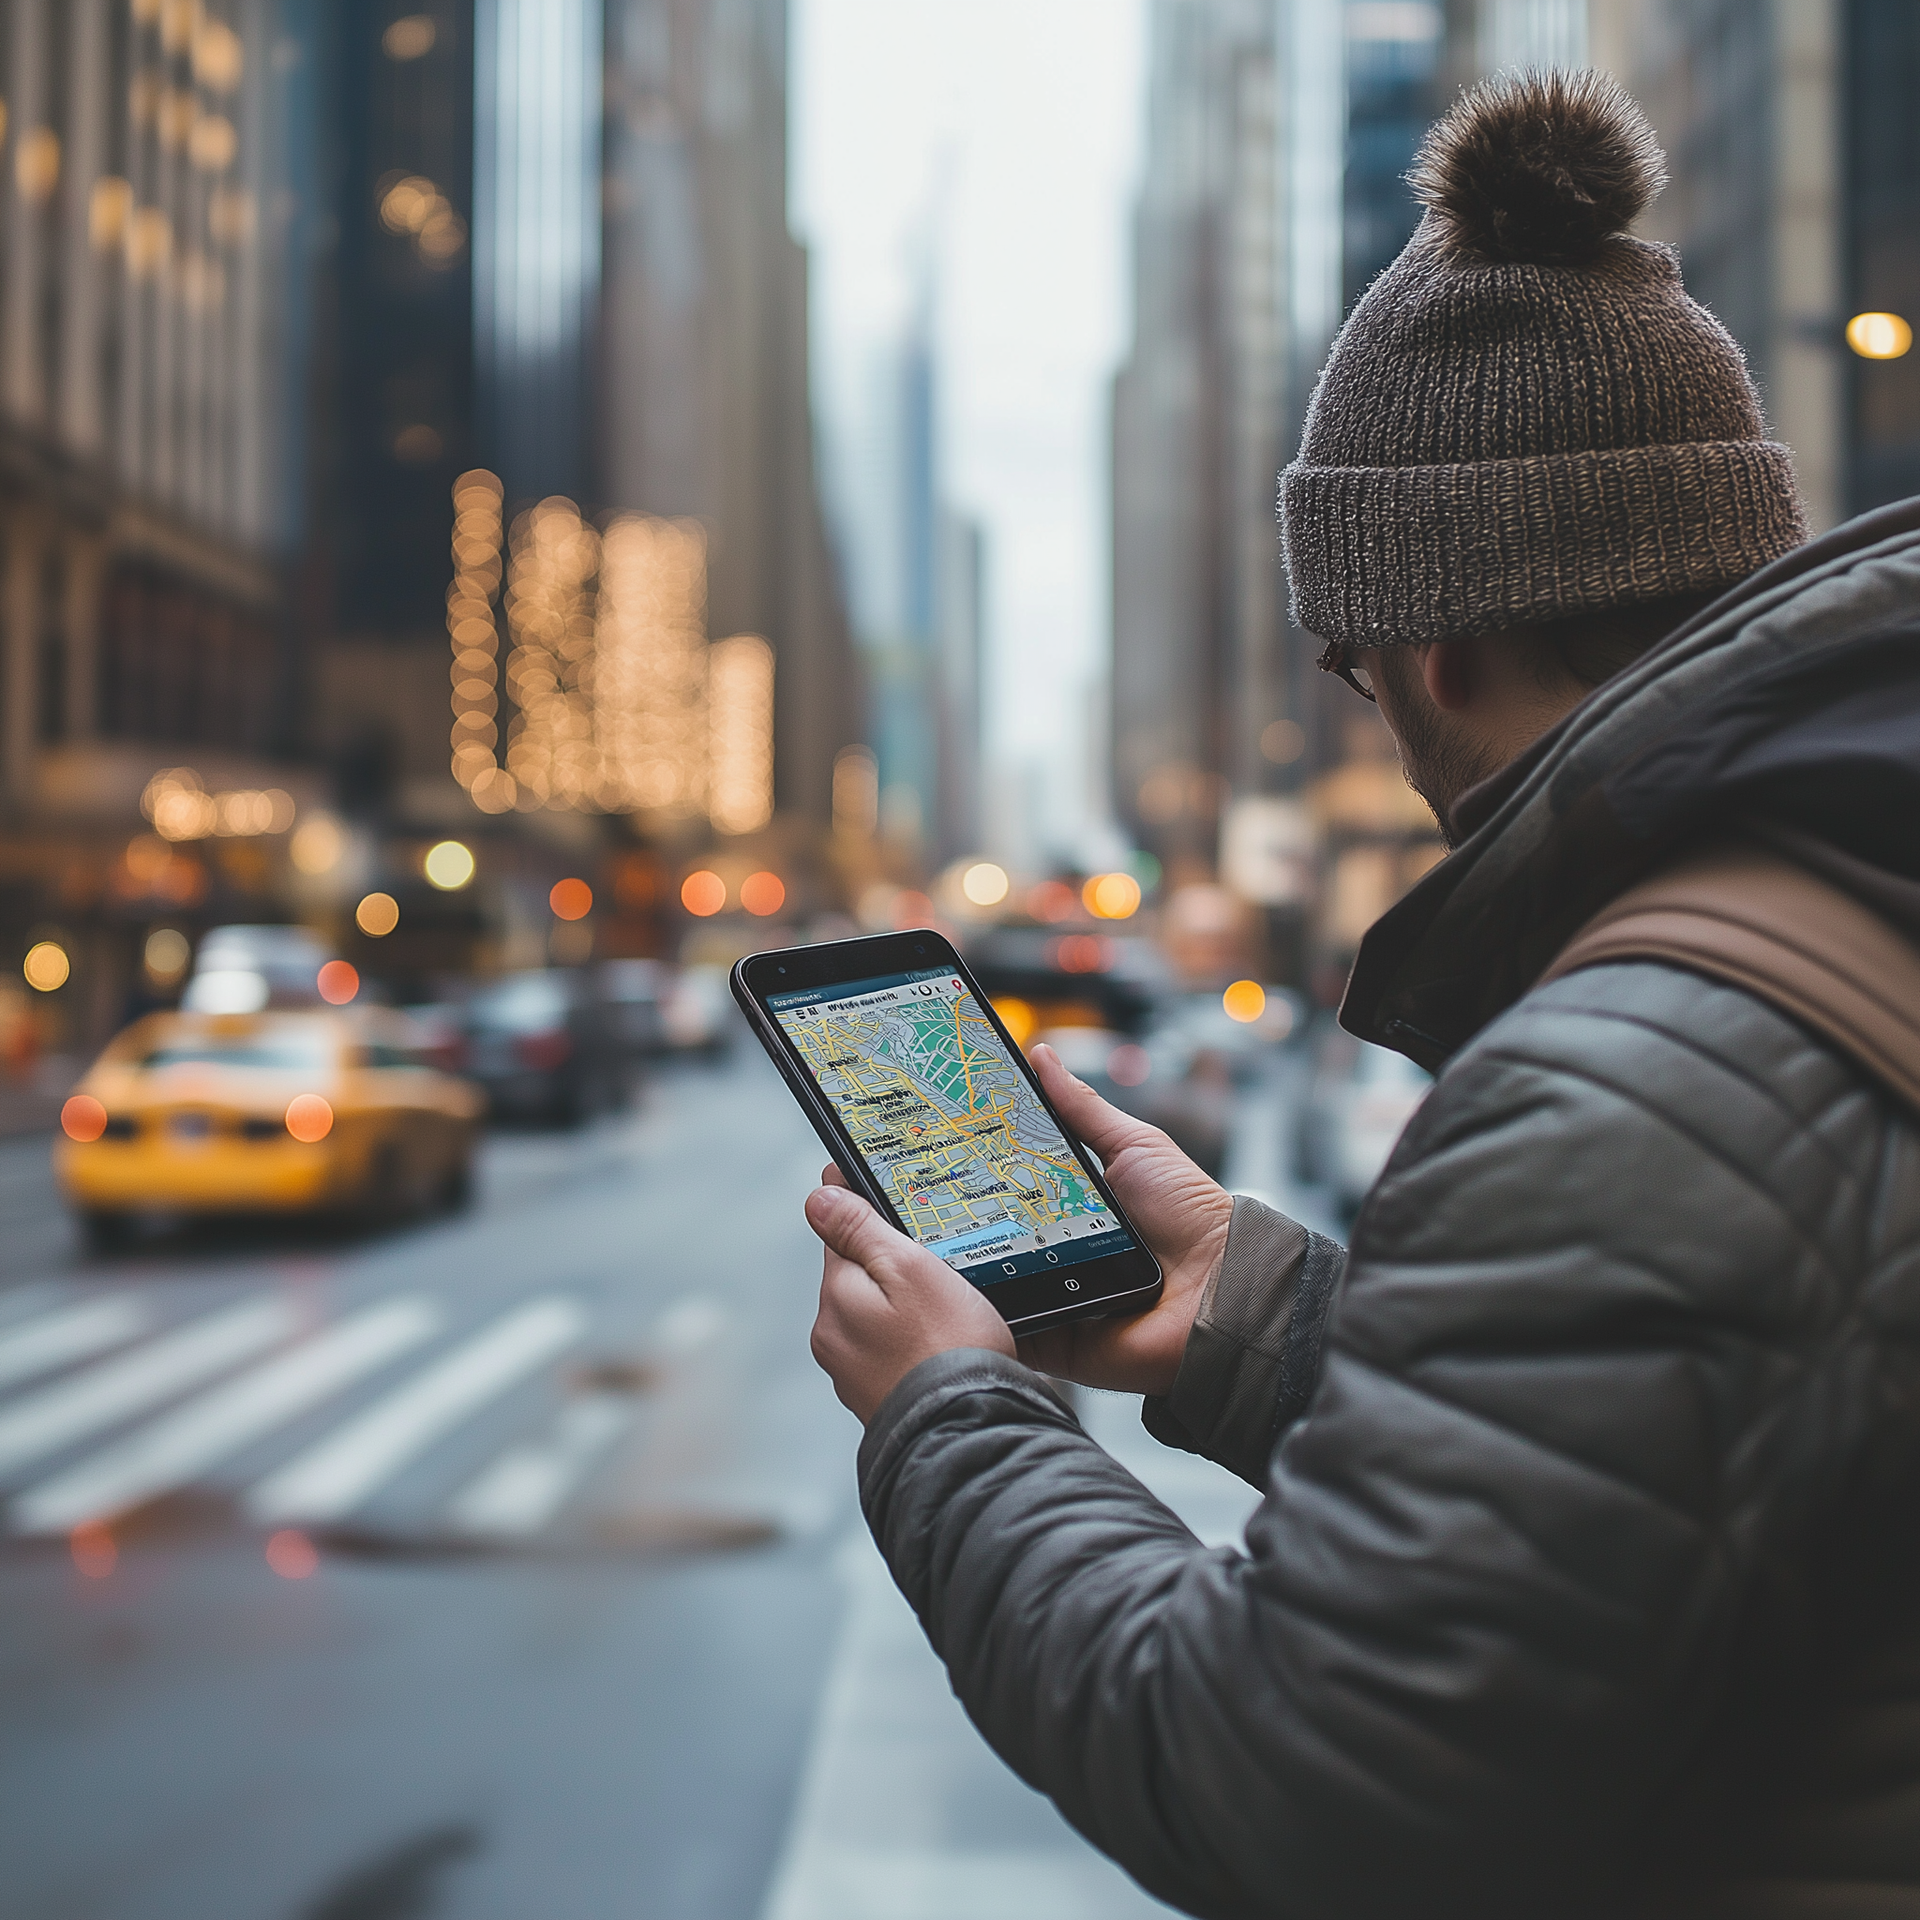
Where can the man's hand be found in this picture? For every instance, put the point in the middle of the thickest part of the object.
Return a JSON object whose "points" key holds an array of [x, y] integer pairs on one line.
{"points": [[1183, 1217], [885, 1303]]}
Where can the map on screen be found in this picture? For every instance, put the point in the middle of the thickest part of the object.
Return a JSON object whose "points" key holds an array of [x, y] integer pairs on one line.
{"points": [[975, 1166]]}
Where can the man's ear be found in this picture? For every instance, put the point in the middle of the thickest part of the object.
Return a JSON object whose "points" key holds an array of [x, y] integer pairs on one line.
{"points": [[1451, 671]]}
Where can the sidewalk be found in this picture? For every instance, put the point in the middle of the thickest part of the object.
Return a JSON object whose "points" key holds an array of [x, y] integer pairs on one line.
{"points": [[903, 1812]]}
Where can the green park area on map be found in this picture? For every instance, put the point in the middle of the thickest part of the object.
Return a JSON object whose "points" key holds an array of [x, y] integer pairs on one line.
{"points": [[945, 1119]]}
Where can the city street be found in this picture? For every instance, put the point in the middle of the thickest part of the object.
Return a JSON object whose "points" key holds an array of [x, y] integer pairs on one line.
{"points": [[507, 1564]]}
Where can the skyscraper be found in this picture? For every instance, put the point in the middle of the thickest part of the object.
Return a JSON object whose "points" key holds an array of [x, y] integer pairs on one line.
{"points": [[158, 169], [569, 267], [1749, 102], [1197, 432], [154, 237]]}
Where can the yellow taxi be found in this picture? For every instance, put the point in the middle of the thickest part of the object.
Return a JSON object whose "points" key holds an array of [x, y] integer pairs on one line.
{"points": [[318, 1111]]}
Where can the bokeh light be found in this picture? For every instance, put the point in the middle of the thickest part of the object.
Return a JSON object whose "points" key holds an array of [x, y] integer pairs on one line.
{"points": [[1879, 336], [911, 909], [309, 1117], [448, 866], [1111, 896], [166, 953], [763, 893], [83, 1118], [46, 966], [1018, 1017], [1080, 953], [338, 981], [377, 915], [95, 1553], [1052, 900], [292, 1555], [1245, 1001], [317, 845], [570, 899], [985, 884], [1129, 1066], [703, 894]]}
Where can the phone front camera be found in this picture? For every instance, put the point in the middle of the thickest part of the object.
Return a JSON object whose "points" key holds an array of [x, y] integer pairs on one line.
{"points": [[919, 949]]}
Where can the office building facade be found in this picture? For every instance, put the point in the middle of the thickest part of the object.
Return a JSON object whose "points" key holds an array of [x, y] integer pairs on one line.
{"points": [[614, 315]]}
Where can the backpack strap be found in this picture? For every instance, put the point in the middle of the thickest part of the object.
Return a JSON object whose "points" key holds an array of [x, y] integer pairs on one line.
{"points": [[1740, 913]]}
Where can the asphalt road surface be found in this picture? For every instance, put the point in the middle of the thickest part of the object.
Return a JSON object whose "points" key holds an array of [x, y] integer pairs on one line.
{"points": [[507, 1565]]}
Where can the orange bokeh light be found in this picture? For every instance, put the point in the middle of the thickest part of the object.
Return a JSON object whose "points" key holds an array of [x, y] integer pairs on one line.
{"points": [[1052, 900], [291, 1555], [1111, 896], [703, 894], [1018, 1017], [763, 893], [1245, 1001], [911, 909], [83, 1118], [1080, 953], [93, 1550], [338, 981], [309, 1118], [571, 899]]}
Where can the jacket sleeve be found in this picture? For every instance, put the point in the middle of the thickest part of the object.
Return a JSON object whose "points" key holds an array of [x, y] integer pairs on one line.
{"points": [[1490, 1600], [1254, 1351]]}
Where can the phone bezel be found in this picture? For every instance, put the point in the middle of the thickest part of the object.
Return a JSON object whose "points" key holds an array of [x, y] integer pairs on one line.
{"points": [[1125, 1282]]}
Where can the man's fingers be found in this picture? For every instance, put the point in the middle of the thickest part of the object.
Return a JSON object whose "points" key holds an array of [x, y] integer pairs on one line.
{"points": [[1102, 1126], [831, 1176], [850, 1227]]}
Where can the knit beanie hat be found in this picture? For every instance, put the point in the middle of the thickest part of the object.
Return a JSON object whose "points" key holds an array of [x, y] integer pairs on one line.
{"points": [[1526, 417]]}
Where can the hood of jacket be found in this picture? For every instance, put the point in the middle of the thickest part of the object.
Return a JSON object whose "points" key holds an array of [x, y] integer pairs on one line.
{"points": [[1790, 708]]}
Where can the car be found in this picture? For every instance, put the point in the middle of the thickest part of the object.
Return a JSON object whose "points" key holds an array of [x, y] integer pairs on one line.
{"points": [[636, 992], [544, 1046], [321, 1112], [1356, 1106], [243, 969], [697, 1015]]}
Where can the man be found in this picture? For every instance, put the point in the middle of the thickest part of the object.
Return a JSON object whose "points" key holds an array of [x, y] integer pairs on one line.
{"points": [[1587, 1576]]}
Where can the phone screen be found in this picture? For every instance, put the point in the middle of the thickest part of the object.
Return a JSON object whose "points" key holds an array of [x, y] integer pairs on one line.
{"points": [[975, 1166]]}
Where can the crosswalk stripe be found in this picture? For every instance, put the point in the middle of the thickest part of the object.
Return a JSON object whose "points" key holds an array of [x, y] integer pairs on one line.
{"points": [[523, 1489], [116, 1390], [174, 1449], [334, 1476], [73, 1333]]}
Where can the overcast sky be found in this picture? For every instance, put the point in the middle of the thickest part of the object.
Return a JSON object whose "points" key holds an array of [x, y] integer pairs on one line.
{"points": [[1010, 129]]}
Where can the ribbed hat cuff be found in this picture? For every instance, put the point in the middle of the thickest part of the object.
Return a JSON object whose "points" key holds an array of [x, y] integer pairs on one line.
{"points": [[1377, 555]]}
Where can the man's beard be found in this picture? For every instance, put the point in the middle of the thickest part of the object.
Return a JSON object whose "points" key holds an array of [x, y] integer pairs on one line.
{"points": [[1439, 766]]}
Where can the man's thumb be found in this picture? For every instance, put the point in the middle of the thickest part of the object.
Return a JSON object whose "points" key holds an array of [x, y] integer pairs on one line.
{"points": [[848, 1224]]}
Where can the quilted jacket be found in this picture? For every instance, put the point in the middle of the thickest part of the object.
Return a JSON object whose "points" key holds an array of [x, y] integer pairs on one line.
{"points": [[1587, 1574]]}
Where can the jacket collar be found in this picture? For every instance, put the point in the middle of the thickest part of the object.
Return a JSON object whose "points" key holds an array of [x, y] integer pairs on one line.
{"points": [[1678, 739]]}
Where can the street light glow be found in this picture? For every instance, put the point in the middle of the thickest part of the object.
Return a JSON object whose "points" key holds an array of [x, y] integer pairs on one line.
{"points": [[1111, 896], [448, 866], [703, 894], [338, 981], [985, 884], [46, 966], [1879, 336], [570, 899], [763, 894], [377, 915], [1245, 1001]]}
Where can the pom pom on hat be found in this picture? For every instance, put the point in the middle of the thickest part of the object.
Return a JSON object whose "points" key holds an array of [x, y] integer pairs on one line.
{"points": [[1538, 167]]}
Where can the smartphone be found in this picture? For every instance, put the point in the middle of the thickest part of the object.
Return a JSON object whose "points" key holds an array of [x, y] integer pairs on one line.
{"points": [[932, 1113]]}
